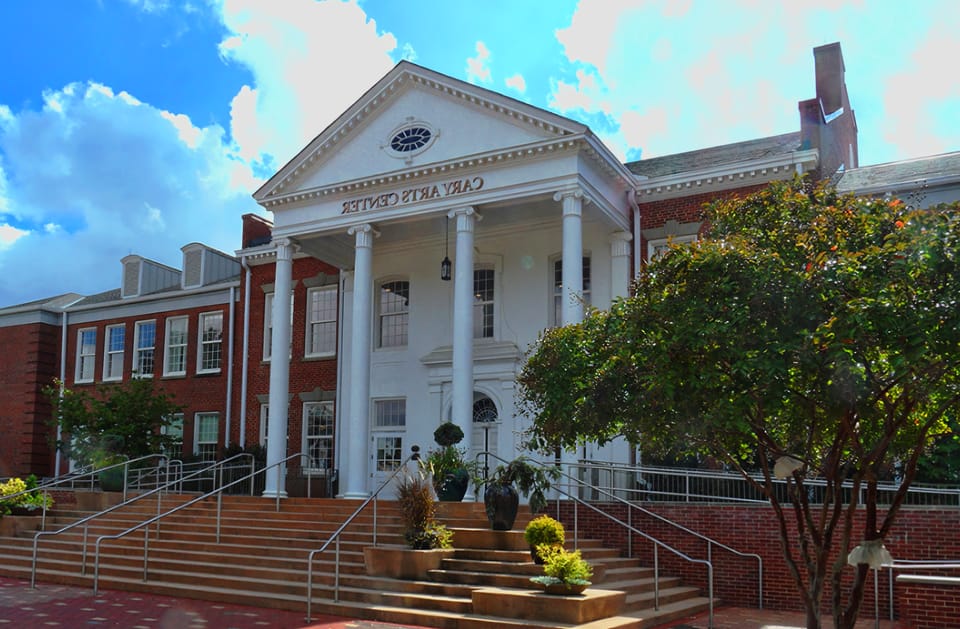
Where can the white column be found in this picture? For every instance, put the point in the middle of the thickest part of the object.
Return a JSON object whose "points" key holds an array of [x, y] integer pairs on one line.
{"points": [[572, 289], [275, 484], [620, 264], [356, 429], [462, 402]]}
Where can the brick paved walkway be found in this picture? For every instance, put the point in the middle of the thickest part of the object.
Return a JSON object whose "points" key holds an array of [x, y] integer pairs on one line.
{"points": [[51, 605]]}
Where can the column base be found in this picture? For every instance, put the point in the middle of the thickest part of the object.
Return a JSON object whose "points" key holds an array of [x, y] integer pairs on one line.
{"points": [[354, 495], [273, 493]]}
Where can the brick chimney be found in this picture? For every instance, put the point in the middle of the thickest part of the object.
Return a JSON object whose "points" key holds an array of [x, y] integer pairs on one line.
{"points": [[827, 122]]}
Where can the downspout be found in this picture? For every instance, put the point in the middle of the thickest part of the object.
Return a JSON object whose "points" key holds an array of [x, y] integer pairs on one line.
{"points": [[632, 200], [245, 359], [63, 380], [226, 437], [635, 452]]}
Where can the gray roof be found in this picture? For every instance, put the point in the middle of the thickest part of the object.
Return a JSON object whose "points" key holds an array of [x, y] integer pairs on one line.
{"points": [[902, 174], [716, 156], [55, 302]]}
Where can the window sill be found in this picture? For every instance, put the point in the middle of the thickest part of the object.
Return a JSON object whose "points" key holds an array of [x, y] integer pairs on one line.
{"points": [[316, 357], [174, 376]]}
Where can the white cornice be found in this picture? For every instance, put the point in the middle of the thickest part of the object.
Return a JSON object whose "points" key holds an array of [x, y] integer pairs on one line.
{"points": [[162, 296], [406, 74], [727, 176], [534, 150]]}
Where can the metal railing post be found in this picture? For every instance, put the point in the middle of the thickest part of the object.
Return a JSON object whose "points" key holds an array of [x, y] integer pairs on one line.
{"points": [[126, 469], [656, 577], [219, 513], [83, 554], [146, 550], [374, 523]]}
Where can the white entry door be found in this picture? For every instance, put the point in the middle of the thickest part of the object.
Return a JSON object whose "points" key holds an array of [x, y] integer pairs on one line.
{"points": [[386, 455]]}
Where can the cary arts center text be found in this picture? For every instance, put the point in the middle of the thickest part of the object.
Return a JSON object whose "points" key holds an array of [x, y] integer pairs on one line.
{"points": [[413, 195]]}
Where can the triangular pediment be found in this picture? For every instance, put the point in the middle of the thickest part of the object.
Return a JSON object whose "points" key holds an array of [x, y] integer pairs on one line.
{"points": [[415, 117]]}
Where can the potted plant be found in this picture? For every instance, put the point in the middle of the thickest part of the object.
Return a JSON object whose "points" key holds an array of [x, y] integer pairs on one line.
{"points": [[450, 472], [564, 571], [429, 541], [418, 514], [501, 490], [543, 531]]}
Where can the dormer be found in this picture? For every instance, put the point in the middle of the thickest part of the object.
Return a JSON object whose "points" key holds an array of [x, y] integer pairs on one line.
{"points": [[142, 276], [203, 266]]}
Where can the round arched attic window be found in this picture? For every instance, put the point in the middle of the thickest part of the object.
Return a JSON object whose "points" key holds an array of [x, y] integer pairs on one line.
{"points": [[411, 139]]}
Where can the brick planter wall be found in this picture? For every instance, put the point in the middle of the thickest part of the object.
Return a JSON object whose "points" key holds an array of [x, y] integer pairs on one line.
{"points": [[919, 533]]}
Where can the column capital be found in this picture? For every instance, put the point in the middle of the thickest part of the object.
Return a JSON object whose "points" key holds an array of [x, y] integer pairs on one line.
{"points": [[364, 233], [575, 192], [572, 198], [466, 216], [620, 243], [286, 247]]}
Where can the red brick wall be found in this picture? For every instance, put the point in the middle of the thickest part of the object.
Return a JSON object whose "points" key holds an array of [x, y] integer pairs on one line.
{"points": [[306, 374], [918, 534], [29, 361], [197, 393]]}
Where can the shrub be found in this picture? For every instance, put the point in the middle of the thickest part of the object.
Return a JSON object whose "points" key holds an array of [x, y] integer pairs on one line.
{"points": [[563, 566], [544, 530]]}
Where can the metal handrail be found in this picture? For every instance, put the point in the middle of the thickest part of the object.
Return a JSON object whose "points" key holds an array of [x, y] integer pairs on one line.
{"points": [[72, 478], [629, 526], [86, 521], [909, 564], [335, 537], [949, 495], [219, 493]]}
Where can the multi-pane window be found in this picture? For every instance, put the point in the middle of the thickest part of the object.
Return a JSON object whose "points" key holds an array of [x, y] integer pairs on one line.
{"points": [[322, 321], [211, 342], [390, 413], [113, 352], [205, 441], [268, 324], [659, 246], [483, 303], [558, 295], [394, 313], [174, 430], [175, 356], [264, 423], [86, 354], [318, 435], [145, 340]]}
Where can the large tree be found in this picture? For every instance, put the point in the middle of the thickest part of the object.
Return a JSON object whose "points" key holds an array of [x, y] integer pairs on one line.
{"points": [[807, 328], [102, 425]]}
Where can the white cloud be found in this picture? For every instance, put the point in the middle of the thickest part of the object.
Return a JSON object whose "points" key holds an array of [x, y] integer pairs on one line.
{"points": [[103, 175], [10, 234], [310, 61], [932, 129], [150, 6], [478, 67], [517, 82]]}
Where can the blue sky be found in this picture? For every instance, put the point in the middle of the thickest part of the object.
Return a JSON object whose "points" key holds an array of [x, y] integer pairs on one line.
{"points": [[139, 126]]}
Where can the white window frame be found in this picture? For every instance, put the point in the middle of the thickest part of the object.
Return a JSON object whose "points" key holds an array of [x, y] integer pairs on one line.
{"points": [[400, 410], [264, 423], [167, 346], [207, 442], [86, 356], [112, 371], [556, 291], [268, 325], [140, 350], [657, 246], [478, 304], [310, 350], [326, 437], [203, 343], [175, 428], [382, 316]]}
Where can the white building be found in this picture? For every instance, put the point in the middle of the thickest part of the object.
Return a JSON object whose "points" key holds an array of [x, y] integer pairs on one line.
{"points": [[524, 196]]}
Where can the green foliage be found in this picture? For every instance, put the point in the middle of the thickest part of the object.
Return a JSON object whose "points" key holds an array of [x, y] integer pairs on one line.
{"points": [[31, 501], [448, 434], [563, 566], [113, 421], [418, 513], [527, 478], [805, 323], [544, 530]]}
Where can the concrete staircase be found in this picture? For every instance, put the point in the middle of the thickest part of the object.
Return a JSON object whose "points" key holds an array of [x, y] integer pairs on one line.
{"points": [[261, 560]]}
